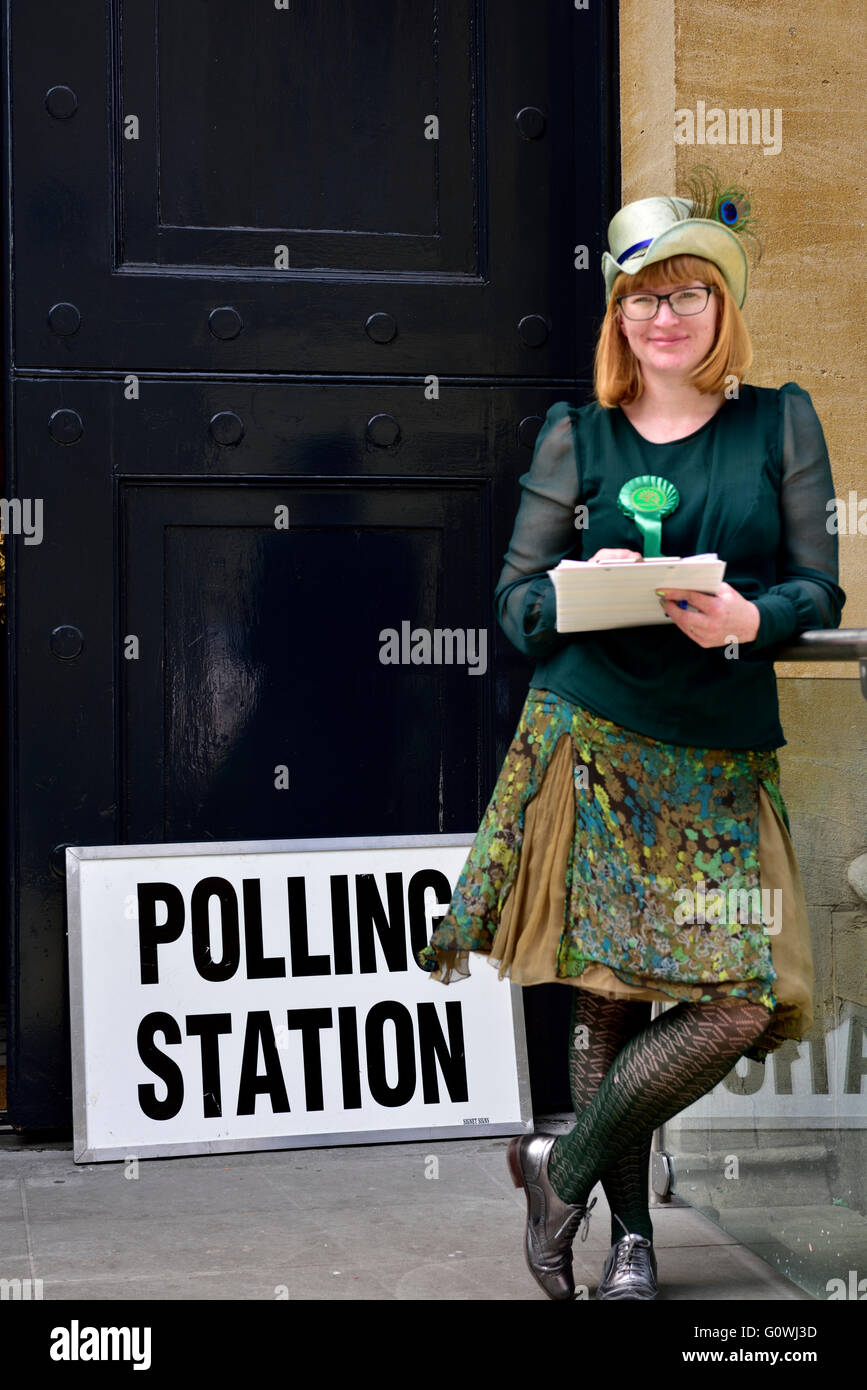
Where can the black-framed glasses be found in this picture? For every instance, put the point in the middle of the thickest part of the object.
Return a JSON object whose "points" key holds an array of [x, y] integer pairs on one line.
{"points": [[682, 302]]}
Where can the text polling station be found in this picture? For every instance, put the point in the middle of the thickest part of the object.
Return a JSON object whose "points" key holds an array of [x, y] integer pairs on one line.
{"points": [[267, 995]]}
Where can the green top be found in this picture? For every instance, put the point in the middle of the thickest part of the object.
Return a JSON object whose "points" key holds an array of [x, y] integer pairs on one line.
{"points": [[755, 486]]}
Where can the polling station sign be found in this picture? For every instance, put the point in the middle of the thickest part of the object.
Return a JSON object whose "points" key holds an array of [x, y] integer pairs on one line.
{"points": [[266, 995]]}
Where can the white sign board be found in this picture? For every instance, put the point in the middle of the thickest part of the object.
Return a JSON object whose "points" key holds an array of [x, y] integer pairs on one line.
{"points": [[266, 995]]}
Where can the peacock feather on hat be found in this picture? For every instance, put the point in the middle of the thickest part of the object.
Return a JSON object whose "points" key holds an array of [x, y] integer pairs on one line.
{"points": [[710, 201]]}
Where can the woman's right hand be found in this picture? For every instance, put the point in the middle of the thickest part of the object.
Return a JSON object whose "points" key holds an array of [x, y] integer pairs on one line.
{"points": [[602, 555]]}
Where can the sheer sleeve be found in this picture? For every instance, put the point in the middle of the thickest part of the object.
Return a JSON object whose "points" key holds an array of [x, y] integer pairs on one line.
{"points": [[807, 594], [544, 534]]}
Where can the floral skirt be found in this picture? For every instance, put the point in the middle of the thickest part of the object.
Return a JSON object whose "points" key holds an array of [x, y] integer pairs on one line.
{"points": [[634, 868]]}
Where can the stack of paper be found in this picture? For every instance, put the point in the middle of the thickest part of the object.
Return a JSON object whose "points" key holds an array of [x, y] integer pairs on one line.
{"points": [[621, 593]]}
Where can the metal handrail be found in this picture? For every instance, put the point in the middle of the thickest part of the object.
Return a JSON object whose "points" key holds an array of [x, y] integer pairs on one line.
{"points": [[829, 644]]}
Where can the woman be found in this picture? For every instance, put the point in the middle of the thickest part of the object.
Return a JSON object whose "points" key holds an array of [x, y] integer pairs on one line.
{"points": [[644, 766]]}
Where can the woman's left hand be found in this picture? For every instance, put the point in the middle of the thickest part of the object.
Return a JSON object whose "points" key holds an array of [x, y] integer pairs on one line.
{"points": [[722, 617]]}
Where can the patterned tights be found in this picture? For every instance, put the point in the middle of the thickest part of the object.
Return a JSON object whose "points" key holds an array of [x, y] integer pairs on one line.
{"points": [[628, 1075]]}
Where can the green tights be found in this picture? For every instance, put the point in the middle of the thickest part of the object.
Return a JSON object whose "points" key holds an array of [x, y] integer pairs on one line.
{"points": [[628, 1075]]}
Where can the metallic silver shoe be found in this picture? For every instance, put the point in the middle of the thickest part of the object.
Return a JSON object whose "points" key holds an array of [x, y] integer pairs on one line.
{"points": [[630, 1269], [551, 1222]]}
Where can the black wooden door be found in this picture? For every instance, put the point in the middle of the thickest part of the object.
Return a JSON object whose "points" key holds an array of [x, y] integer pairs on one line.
{"points": [[292, 286]]}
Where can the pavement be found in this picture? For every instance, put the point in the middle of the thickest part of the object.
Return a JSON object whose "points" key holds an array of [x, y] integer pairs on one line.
{"points": [[438, 1220]]}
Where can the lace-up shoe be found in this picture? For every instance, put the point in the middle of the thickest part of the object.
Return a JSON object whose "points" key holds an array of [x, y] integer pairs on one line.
{"points": [[551, 1222]]}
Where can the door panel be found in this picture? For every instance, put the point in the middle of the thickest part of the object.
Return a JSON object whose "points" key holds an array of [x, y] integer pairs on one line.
{"points": [[256, 129], [261, 650]]}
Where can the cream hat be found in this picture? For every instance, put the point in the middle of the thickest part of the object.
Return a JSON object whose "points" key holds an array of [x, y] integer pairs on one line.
{"points": [[655, 228]]}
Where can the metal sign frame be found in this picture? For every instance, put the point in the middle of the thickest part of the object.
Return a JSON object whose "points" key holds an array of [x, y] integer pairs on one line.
{"points": [[86, 1151]]}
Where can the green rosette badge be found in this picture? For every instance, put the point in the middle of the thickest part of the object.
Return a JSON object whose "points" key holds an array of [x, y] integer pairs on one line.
{"points": [[647, 499]]}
